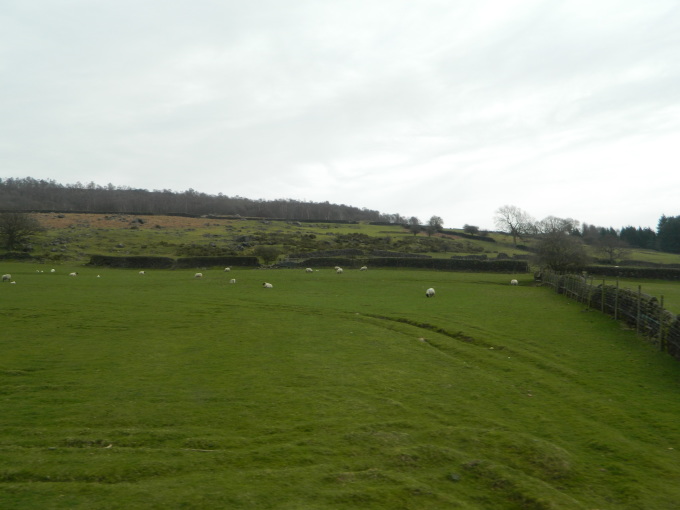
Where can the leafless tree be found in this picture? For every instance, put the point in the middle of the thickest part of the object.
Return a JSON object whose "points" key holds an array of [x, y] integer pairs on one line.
{"points": [[612, 248], [554, 224], [268, 253], [470, 229], [514, 221], [16, 228], [561, 251], [434, 224], [414, 225]]}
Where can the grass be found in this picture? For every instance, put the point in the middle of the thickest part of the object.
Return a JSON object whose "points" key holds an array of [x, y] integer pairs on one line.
{"points": [[327, 391]]}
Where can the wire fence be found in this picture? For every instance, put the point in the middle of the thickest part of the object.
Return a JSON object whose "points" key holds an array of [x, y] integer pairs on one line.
{"points": [[641, 311]]}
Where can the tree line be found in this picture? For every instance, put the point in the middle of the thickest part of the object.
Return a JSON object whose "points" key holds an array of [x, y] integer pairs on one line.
{"points": [[28, 194], [560, 243]]}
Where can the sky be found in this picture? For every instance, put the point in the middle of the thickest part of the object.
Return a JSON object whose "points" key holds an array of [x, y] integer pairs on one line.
{"points": [[451, 108]]}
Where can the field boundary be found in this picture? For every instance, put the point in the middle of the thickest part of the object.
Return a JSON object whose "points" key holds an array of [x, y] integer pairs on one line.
{"points": [[641, 311]]}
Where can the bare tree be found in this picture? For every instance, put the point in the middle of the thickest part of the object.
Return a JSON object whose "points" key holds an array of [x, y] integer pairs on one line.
{"points": [[435, 224], [612, 248], [414, 225], [514, 221], [554, 224], [561, 251], [267, 253], [16, 228], [470, 229]]}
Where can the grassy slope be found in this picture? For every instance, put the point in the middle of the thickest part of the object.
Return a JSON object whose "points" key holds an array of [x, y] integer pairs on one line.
{"points": [[328, 391]]}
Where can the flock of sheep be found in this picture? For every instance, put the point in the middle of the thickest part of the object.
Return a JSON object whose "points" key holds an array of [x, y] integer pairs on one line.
{"points": [[428, 293]]}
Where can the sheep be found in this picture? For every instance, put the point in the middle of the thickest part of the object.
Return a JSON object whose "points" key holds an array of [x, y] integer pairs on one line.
{"points": [[227, 269], [53, 270], [309, 270], [339, 270], [6, 277], [198, 275], [267, 285], [142, 272], [363, 268], [514, 282], [429, 292], [73, 274], [233, 280]]}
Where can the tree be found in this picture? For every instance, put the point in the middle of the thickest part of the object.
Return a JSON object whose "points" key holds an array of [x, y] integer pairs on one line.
{"points": [[267, 253], [514, 221], [435, 224], [668, 234], [611, 247], [16, 228], [639, 237], [554, 224], [470, 229], [414, 225], [560, 251]]}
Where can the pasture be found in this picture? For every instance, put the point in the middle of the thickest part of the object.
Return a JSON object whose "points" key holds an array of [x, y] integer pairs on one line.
{"points": [[327, 392]]}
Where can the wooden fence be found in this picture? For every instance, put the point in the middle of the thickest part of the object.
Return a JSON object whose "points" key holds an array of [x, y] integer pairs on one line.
{"points": [[641, 311]]}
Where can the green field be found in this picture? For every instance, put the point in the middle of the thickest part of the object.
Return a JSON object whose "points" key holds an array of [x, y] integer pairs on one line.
{"points": [[326, 392]]}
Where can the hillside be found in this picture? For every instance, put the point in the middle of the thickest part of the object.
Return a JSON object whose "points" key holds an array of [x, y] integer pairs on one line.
{"points": [[74, 237]]}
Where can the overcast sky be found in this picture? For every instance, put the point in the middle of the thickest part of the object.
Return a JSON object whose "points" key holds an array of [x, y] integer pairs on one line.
{"points": [[451, 108]]}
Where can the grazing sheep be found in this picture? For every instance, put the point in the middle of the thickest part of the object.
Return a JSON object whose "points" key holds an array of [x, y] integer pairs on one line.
{"points": [[338, 270], [267, 285], [53, 270], [429, 292], [198, 275], [227, 269], [233, 280], [309, 270], [6, 277], [363, 268], [13, 282], [142, 272], [73, 274], [514, 282]]}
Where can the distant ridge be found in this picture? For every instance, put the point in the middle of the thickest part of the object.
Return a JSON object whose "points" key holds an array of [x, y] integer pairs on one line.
{"points": [[28, 194]]}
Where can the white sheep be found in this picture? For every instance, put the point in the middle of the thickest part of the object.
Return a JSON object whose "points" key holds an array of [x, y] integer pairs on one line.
{"points": [[338, 270], [514, 282], [363, 268], [142, 272], [6, 277], [429, 292], [267, 285], [227, 269], [73, 274], [198, 275], [53, 270], [233, 280], [309, 270]]}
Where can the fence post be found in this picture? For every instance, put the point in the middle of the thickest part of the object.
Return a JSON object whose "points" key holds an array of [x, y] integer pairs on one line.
{"points": [[662, 341], [616, 301], [639, 303]]}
